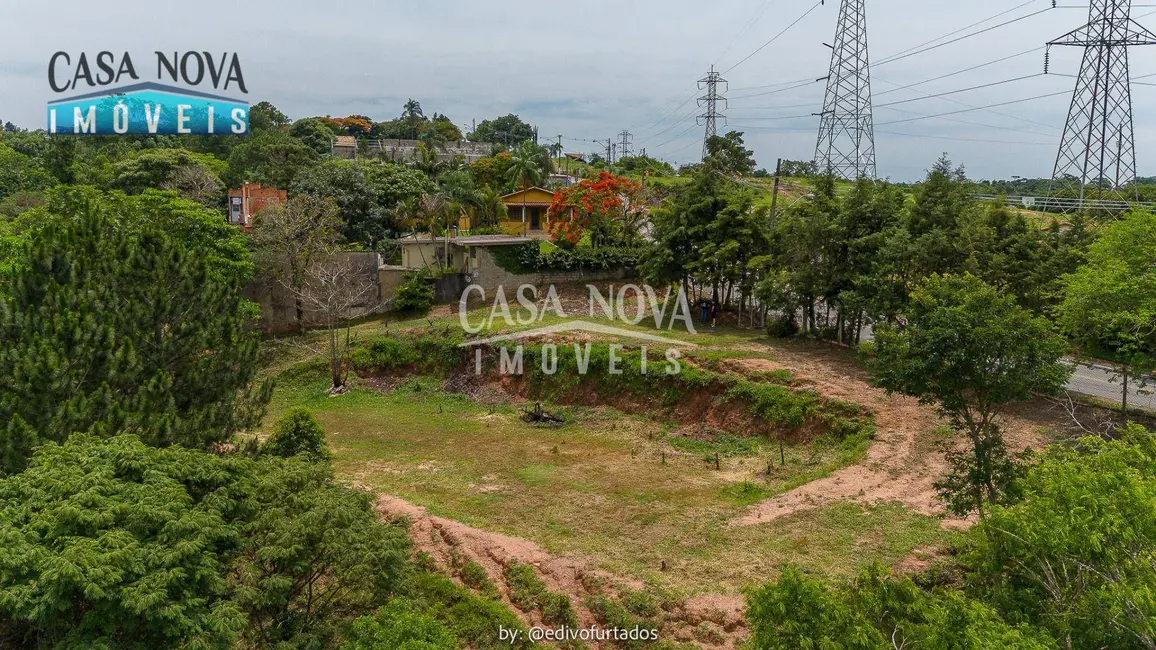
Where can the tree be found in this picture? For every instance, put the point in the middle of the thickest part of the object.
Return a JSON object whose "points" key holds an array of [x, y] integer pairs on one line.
{"points": [[19, 172], [335, 284], [525, 169], [970, 351], [508, 131], [609, 208], [264, 116], [314, 558], [366, 195], [400, 625], [314, 134], [727, 154], [271, 158], [107, 328], [288, 238], [112, 544], [1077, 556], [298, 432], [1109, 304]]}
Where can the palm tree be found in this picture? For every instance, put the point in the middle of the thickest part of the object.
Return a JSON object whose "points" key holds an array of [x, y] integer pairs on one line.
{"points": [[526, 163]]}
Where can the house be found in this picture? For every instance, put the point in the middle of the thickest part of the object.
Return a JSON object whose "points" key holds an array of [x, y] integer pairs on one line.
{"points": [[454, 255], [344, 146], [527, 213], [249, 200]]}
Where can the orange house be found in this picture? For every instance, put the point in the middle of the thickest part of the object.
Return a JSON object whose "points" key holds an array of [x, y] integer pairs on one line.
{"points": [[527, 213], [248, 201]]}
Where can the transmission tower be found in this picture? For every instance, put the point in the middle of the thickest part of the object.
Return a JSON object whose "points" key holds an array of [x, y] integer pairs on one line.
{"points": [[1098, 150], [624, 144], [846, 146], [711, 100]]}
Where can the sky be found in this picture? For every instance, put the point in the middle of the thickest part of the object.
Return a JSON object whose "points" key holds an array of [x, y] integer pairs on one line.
{"points": [[589, 70]]}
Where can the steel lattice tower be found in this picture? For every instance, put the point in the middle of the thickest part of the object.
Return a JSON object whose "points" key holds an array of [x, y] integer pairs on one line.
{"points": [[846, 146], [1098, 150], [711, 100]]}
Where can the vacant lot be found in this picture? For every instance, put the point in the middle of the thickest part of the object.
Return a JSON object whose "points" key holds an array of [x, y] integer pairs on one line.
{"points": [[627, 492]]}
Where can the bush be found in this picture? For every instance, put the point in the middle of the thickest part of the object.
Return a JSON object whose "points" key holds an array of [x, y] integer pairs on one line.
{"points": [[782, 327], [415, 296], [400, 625], [528, 258], [298, 432]]}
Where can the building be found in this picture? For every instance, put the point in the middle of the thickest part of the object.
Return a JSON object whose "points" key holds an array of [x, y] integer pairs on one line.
{"points": [[527, 213], [249, 200], [406, 151], [452, 255]]}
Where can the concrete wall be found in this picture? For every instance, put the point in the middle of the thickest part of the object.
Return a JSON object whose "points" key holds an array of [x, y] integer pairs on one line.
{"points": [[490, 276], [278, 307]]}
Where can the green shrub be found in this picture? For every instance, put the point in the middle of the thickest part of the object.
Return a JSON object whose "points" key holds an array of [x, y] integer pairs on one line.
{"points": [[298, 432], [400, 625], [475, 577], [557, 610], [526, 588], [415, 296], [472, 618]]}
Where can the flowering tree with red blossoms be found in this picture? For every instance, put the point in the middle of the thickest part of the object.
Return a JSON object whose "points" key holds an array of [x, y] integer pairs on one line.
{"points": [[609, 207]]}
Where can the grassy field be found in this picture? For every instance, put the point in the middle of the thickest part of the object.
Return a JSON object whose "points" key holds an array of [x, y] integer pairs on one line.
{"points": [[624, 490]]}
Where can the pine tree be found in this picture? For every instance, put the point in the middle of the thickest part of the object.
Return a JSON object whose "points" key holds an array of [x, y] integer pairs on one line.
{"points": [[109, 329]]}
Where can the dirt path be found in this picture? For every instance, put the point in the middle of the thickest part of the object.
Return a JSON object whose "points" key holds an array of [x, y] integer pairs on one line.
{"points": [[710, 621], [902, 463]]}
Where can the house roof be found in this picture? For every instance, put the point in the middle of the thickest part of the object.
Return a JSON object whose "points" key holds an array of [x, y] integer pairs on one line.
{"points": [[345, 141], [528, 189], [489, 240]]}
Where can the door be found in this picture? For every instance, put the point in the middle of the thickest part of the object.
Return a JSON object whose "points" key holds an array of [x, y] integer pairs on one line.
{"points": [[535, 218]]}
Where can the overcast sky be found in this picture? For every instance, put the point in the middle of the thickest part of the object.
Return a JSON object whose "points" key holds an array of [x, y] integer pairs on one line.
{"points": [[587, 70]]}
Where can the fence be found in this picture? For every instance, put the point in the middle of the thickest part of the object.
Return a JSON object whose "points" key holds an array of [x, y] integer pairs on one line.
{"points": [[1056, 204]]}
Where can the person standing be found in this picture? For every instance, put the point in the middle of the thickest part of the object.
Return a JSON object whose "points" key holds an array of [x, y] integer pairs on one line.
{"points": [[713, 312]]}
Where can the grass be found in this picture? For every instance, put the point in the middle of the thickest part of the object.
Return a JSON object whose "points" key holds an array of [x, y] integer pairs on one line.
{"points": [[615, 488]]}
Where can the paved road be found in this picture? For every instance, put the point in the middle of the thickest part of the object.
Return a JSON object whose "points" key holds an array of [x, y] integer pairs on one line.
{"points": [[1097, 381]]}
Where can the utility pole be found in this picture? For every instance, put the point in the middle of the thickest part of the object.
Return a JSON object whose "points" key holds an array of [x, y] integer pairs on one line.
{"points": [[711, 101], [613, 152], [775, 195], [609, 152], [846, 145], [1098, 149], [626, 137]]}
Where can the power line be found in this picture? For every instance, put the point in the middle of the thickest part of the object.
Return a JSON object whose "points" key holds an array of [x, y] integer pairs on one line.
{"points": [[977, 108], [900, 57], [766, 6], [667, 116], [961, 29], [992, 111], [952, 74], [944, 137], [781, 90], [974, 123], [776, 85], [961, 90], [775, 37]]}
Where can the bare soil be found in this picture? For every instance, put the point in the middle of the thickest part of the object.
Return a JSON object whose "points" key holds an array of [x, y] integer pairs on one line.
{"points": [[904, 460], [701, 619]]}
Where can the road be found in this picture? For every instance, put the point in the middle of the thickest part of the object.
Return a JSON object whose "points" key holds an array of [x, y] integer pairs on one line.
{"points": [[1096, 381]]}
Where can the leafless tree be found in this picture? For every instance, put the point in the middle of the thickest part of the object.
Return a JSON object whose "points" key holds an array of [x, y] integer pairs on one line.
{"points": [[196, 183], [290, 237]]}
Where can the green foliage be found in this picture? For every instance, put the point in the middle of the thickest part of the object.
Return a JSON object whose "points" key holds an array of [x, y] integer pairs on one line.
{"points": [[112, 544], [1110, 302], [526, 588], [507, 131], [271, 158], [528, 258], [1077, 556], [21, 173], [414, 296], [728, 154], [298, 432], [97, 335], [971, 351], [400, 625], [474, 576], [875, 612], [315, 557], [264, 116], [473, 619], [314, 134]]}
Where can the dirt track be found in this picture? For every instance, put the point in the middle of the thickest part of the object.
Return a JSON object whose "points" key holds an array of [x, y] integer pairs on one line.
{"points": [[902, 463]]}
